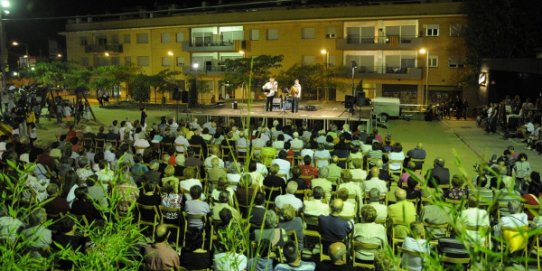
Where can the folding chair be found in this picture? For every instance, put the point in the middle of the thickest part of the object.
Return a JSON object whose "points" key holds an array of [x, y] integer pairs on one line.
{"points": [[357, 246], [148, 215]]}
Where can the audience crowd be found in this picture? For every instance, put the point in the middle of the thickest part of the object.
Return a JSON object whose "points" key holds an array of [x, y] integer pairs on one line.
{"points": [[314, 199]]}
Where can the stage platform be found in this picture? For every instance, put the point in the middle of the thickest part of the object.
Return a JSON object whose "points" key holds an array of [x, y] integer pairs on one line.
{"points": [[326, 112]]}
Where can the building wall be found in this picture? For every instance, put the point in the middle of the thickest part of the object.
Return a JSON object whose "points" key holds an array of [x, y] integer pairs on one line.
{"points": [[300, 35]]}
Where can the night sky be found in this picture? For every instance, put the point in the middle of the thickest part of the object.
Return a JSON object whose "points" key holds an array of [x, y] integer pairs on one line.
{"points": [[36, 33]]}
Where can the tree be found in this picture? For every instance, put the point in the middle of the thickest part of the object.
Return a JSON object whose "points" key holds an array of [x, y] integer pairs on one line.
{"points": [[310, 77], [140, 85], [51, 74], [107, 77], [239, 71]]}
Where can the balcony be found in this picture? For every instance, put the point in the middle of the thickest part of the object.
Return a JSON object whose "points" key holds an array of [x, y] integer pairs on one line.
{"points": [[384, 72], [390, 42], [210, 70], [102, 48], [210, 46]]}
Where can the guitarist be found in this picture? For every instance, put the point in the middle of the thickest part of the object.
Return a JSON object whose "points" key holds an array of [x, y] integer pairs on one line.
{"points": [[270, 88], [295, 92]]}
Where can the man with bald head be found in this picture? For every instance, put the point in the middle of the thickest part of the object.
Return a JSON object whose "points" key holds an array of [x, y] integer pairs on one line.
{"points": [[338, 262], [333, 228], [402, 213], [417, 153], [160, 255]]}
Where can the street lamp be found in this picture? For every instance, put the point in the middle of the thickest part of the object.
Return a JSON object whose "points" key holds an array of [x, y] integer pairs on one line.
{"points": [[326, 53], [195, 66], [26, 56], [425, 52]]}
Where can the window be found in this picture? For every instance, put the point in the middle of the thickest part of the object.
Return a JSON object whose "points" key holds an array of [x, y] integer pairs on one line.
{"points": [[180, 37], [114, 39], [101, 40], [455, 62], [115, 60], [83, 41], [308, 33], [456, 30], [127, 60], [331, 32], [332, 60], [127, 38], [166, 61], [143, 61], [272, 34], [180, 61], [84, 61], [166, 38], [432, 30], [142, 38], [255, 34], [433, 61], [308, 60]]}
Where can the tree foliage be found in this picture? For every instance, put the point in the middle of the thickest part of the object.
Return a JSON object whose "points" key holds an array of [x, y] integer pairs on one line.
{"points": [[311, 77], [238, 71], [140, 86], [51, 74]]}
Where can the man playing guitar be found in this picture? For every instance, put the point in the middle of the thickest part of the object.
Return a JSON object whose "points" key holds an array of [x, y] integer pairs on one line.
{"points": [[270, 88]]}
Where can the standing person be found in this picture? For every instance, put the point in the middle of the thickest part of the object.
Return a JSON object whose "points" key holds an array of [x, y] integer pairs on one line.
{"points": [[295, 91], [143, 117], [271, 90]]}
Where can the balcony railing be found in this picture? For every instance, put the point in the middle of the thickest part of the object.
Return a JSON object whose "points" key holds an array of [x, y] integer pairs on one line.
{"points": [[204, 69], [355, 42], [214, 46], [385, 72], [101, 48]]}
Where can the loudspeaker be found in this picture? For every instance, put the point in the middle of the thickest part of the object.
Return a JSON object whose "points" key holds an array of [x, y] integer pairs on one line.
{"points": [[193, 93], [349, 101]]}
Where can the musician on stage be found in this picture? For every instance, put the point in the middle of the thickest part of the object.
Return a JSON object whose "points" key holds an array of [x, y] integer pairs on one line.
{"points": [[295, 92], [270, 88]]}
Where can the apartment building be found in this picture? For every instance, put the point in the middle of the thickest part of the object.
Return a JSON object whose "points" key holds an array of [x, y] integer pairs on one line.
{"points": [[412, 51]]}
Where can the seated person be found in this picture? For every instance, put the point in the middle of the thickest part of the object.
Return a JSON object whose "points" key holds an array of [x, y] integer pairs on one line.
{"points": [[458, 192], [271, 231], [258, 211], [196, 206], [338, 261], [349, 207], [292, 256], [160, 255], [415, 242], [315, 205], [332, 227], [369, 232], [516, 219], [291, 222], [289, 197]]}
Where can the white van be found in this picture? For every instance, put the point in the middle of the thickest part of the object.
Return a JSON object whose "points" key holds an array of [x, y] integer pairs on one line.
{"points": [[386, 107]]}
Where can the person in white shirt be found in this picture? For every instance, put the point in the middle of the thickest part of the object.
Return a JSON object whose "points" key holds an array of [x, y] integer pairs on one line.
{"points": [[295, 91], [397, 156], [374, 200], [416, 242], [270, 88], [214, 152], [289, 197], [241, 144], [358, 174], [475, 217], [188, 182], [516, 219], [279, 143], [315, 205], [181, 143], [352, 187], [376, 182], [322, 156], [140, 145], [296, 143], [323, 182], [283, 164]]}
